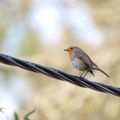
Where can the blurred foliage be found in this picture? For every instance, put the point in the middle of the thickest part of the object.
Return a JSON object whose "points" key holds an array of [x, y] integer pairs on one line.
{"points": [[26, 117], [16, 117]]}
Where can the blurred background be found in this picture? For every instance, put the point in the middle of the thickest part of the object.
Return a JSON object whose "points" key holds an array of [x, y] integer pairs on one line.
{"points": [[38, 31]]}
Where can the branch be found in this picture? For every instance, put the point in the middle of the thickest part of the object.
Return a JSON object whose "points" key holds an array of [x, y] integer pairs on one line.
{"points": [[60, 75]]}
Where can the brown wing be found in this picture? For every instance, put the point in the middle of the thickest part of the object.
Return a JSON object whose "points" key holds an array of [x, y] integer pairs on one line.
{"points": [[85, 58]]}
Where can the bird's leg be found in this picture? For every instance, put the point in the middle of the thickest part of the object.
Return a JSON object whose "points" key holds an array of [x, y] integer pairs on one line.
{"points": [[82, 74], [85, 74]]}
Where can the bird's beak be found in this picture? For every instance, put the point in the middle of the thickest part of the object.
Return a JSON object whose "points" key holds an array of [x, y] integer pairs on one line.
{"points": [[65, 49]]}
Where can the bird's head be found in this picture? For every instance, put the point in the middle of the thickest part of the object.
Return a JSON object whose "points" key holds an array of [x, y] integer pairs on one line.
{"points": [[70, 51]]}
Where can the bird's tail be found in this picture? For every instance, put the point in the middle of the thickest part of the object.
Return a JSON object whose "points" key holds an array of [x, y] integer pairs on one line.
{"points": [[98, 69]]}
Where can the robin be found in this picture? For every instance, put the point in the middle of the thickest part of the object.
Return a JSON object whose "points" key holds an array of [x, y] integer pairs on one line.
{"points": [[82, 62]]}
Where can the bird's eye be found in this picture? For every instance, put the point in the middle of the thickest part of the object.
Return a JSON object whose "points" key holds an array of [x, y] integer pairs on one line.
{"points": [[71, 48]]}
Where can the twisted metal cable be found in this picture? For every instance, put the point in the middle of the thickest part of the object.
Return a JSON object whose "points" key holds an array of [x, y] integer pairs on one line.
{"points": [[60, 75]]}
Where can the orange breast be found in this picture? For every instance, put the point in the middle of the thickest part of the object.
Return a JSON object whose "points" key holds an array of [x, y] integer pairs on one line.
{"points": [[70, 54]]}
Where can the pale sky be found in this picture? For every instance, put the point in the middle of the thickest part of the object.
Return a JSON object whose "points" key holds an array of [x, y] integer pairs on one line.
{"points": [[47, 19]]}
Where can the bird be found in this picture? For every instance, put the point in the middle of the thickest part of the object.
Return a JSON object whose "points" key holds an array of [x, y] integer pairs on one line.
{"points": [[82, 62]]}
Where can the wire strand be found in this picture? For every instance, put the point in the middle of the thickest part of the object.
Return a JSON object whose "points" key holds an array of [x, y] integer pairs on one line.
{"points": [[60, 75]]}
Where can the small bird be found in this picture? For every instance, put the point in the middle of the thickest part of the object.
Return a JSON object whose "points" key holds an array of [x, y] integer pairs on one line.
{"points": [[82, 62]]}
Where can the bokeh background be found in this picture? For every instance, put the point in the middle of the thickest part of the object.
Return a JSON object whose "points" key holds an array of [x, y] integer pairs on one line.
{"points": [[38, 31]]}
